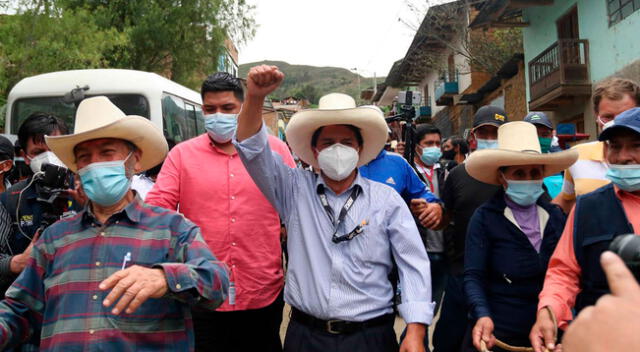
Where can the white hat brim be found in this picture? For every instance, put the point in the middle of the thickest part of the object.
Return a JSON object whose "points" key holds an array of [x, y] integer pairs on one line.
{"points": [[135, 129], [483, 165], [303, 124]]}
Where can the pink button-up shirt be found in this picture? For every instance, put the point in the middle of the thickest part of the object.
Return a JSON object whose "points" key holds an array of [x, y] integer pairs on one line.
{"points": [[214, 190]]}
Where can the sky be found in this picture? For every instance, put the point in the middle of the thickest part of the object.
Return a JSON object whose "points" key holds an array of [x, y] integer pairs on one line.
{"points": [[365, 35]]}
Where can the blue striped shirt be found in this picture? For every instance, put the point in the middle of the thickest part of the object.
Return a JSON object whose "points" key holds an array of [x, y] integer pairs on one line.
{"points": [[346, 280]]}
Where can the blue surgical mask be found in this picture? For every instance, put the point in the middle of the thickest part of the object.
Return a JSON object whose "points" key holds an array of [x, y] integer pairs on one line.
{"points": [[431, 155], [626, 177], [487, 144], [105, 183], [221, 127], [524, 193]]}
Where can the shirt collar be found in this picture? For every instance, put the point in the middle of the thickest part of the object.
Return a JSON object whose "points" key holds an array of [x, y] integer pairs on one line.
{"points": [[381, 154], [358, 181], [133, 211]]}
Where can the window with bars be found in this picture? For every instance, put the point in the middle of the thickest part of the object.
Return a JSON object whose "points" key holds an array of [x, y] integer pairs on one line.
{"points": [[620, 9]]}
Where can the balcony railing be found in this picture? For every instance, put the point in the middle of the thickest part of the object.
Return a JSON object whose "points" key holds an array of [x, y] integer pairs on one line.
{"points": [[445, 90], [564, 63]]}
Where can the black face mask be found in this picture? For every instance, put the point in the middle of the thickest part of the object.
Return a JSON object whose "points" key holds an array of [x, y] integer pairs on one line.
{"points": [[449, 154]]}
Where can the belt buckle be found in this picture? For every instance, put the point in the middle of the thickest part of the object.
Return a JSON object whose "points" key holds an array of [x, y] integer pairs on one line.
{"points": [[330, 327]]}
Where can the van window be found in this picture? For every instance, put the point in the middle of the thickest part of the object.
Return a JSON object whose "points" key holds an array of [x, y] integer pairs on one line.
{"points": [[180, 119], [199, 120], [130, 104]]}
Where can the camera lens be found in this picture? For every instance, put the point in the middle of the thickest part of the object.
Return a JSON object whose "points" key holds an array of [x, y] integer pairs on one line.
{"points": [[628, 248]]}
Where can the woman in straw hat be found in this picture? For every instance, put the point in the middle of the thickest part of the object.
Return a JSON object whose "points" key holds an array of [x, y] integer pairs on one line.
{"points": [[512, 236]]}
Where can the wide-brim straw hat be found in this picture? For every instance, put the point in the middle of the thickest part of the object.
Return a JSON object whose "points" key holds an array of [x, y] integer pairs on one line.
{"points": [[98, 117], [337, 109], [518, 144]]}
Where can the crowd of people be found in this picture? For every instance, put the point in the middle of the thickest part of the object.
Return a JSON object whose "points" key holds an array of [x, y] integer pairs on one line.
{"points": [[495, 241]]}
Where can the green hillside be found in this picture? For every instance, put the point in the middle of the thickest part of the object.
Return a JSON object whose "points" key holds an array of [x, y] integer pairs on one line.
{"points": [[313, 82]]}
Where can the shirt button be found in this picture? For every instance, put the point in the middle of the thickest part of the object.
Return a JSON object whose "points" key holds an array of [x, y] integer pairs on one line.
{"points": [[102, 233], [233, 219], [92, 331], [98, 263], [233, 243], [233, 197], [95, 297], [231, 175], [178, 286], [233, 266]]}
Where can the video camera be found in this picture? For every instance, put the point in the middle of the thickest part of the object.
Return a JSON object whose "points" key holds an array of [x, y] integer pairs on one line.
{"points": [[52, 181], [628, 248], [406, 101]]}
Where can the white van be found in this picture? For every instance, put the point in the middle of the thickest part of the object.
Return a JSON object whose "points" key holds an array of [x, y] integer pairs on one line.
{"points": [[175, 109]]}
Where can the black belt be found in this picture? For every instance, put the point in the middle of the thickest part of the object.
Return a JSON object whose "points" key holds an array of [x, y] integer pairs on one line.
{"points": [[338, 326]]}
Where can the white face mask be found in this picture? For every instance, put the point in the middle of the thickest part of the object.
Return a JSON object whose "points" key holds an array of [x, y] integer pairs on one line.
{"points": [[44, 158], [338, 161]]}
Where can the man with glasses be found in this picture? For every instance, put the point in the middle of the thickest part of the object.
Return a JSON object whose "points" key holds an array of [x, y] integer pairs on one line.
{"points": [[610, 98]]}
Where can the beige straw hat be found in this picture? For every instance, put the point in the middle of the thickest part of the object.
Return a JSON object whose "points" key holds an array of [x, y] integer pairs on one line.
{"points": [[517, 145], [98, 117], [337, 109]]}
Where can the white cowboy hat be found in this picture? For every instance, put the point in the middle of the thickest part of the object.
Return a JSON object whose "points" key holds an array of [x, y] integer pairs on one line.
{"points": [[337, 109], [518, 144], [98, 117]]}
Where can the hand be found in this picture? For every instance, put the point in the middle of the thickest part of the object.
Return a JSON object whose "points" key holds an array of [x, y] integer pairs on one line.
{"points": [[262, 80], [543, 332], [612, 324], [483, 330], [414, 340], [429, 214], [19, 262], [135, 284]]}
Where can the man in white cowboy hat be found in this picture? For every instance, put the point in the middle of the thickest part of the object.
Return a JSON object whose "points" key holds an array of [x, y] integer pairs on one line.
{"points": [[344, 230], [121, 273]]}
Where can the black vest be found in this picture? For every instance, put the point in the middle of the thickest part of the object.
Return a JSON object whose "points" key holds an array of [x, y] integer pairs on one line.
{"points": [[599, 217]]}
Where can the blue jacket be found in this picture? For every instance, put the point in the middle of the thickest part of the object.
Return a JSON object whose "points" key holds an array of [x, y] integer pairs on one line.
{"points": [[503, 272], [392, 170]]}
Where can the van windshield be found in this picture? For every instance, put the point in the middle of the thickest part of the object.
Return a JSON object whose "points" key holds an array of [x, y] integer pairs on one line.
{"points": [[130, 104]]}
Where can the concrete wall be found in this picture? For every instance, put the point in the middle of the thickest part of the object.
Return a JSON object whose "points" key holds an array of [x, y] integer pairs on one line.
{"points": [[613, 51]]}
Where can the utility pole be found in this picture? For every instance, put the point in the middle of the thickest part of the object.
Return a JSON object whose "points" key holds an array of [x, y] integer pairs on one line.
{"points": [[359, 90]]}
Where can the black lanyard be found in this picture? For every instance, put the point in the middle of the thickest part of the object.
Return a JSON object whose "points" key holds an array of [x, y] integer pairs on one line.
{"points": [[343, 213]]}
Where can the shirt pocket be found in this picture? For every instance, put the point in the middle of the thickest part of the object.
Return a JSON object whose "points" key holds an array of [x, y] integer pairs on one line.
{"points": [[370, 248]]}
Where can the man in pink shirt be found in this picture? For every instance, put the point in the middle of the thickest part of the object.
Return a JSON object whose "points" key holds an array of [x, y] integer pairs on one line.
{"points": [[205, 179], [575, 278]]}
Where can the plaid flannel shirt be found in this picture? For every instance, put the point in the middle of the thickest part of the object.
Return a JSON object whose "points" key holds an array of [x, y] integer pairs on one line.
{"points": [[57, 294]]}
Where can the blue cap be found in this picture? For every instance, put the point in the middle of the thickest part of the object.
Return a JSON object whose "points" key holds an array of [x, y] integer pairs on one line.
{"points": [[629, 120], [538, 118]]}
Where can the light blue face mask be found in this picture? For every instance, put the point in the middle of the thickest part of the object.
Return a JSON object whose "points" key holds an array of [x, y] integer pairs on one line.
{"points": [[524, 193], [487, 144], [106, 182], [626, 177], [221, 127], [431, 155]]}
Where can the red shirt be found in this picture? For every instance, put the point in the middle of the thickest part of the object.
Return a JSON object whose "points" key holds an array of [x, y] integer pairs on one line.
{"points": [[214, 190]]}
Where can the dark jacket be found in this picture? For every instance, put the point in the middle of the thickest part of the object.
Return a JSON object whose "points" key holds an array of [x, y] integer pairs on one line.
{"points": [[503, 272], [593, 231]]}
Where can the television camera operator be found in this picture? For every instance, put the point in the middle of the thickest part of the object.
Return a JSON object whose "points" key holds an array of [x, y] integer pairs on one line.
{"points": [[31, 205]]}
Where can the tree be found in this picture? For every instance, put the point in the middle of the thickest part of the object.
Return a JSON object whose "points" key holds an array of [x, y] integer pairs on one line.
{"points": [[445, 31], [181, 39], [308, 92], [36, 41]]}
